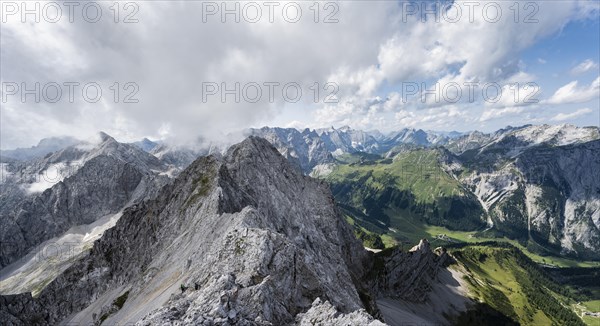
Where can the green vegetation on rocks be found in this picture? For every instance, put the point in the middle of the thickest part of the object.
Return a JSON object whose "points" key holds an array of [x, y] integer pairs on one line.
{"points": [[510, 283]]}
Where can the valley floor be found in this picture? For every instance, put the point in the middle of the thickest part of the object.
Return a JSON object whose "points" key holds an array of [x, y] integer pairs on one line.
{"points": [[407, 231]]}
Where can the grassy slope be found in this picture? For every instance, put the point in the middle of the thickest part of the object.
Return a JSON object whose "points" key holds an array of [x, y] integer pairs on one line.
{"points": [[472, 237], [413, 185], [416, 171], [370, 239], [509, 282], [591, 306]]}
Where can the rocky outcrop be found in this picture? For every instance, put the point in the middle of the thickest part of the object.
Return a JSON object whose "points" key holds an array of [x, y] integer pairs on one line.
{"points": [[409, 275], [246, 238], [323, 313], [562, 197]]}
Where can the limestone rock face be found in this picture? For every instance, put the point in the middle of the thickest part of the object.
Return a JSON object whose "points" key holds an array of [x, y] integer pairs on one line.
{"points": [[87, 182], [549, 194], [246, 239]]}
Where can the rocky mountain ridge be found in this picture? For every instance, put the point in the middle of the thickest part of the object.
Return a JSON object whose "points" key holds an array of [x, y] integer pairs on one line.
{"points": [[86, 183], [181, 240]]}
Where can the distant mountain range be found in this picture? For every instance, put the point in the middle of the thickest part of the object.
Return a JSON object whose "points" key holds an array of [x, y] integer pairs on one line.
{"points": [[45, 146], [535, 184], [310, 147]]}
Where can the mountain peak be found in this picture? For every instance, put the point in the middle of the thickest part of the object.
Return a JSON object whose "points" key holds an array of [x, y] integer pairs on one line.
{"points": [[423, 246], [254, 146], [146, 144], [104, 137]]}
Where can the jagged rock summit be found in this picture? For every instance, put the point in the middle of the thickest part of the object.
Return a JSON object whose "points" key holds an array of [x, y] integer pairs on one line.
{"points": [[409, 274], [245, 240], [423, 246]]}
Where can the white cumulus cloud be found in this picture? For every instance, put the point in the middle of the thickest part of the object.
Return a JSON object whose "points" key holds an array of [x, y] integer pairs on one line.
{"points": [[573, 115], [573, 93], [585, 66]]}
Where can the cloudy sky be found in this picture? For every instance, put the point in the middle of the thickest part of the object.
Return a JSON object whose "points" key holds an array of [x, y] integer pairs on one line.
{"points": [[180, 70]]}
